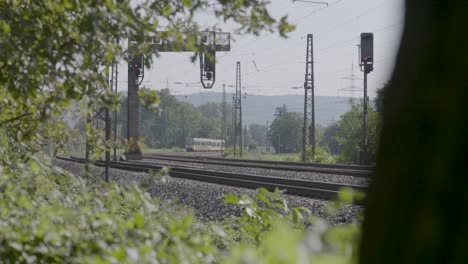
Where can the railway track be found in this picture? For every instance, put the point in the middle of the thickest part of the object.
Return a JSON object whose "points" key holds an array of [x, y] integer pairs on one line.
{"points": [[341, 169], [320, 190]]}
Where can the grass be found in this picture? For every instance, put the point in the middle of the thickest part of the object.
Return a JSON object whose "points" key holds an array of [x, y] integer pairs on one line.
{"points": [[260, 155], [161, 150]]}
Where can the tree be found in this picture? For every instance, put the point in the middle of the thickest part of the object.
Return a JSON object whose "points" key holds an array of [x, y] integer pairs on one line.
{"points": [[329, 140], [420, 181], [42, 73], [210, 110], [286, 132], [379, 99], [211, 120], [349, 132], [258, 134], [53, 53]]}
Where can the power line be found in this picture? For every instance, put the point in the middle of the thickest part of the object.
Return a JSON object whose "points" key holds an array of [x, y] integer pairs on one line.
{"points": [[317, 10], [380, 4], [286, 85], [296, 21], [327, 48], [262, 70]]}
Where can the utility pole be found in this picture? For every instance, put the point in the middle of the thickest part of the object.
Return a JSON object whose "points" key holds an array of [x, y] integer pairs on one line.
{"points": [[113, 87], [184, 136], [245, 137], [234, 121], [308, 129], [108, 137], [238, 112], [267, 138], [165, 127], [183, 126], [223, 117], [367, 65]]}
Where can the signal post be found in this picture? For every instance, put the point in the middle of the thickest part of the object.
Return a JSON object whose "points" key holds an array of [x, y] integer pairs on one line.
{"points": [[366, 61]]}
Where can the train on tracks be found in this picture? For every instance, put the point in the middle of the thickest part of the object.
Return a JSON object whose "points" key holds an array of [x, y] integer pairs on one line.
{"points": [[204, 145]]}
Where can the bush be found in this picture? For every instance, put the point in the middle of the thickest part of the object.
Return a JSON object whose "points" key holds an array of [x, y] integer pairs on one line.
{"points": [[50, 216], [321, 155]]}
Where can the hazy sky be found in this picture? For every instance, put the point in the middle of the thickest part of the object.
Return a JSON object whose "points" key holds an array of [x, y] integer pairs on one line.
{"points": [[271, 65]]}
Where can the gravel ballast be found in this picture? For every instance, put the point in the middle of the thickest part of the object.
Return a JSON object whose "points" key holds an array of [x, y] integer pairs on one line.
{"points": [[205, 199], [299, 175]]}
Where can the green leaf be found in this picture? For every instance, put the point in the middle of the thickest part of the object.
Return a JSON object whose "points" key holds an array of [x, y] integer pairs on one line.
{"points": [[35, 168], [346, 195], [119, 254], [5, 27], [67, 4], [229, 198], [187, 3], [139, 220]]}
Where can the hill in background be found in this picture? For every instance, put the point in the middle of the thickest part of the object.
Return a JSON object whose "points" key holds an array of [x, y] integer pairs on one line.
{"points": [[260, 109]]}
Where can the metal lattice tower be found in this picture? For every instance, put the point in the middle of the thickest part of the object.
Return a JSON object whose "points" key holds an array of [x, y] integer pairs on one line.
{"points": [[223, 116], [308, 130], [99, 119], [238, 112], [352, 79]]}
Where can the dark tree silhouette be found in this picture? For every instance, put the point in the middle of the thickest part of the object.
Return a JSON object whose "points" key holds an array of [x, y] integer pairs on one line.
{"points": [[416, 208], [378, 101]]}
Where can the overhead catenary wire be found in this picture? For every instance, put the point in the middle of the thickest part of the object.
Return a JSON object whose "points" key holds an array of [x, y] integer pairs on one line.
{"points": [[317, 36], [325, 48], [320, 34], [271, 33], [258, 68]]}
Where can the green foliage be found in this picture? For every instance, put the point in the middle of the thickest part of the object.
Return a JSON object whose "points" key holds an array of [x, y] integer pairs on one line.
{"points": [[57, 218], [56, 53], [50, 216], [149, 98], [286, 131], [268, 219], [173, 121], [379, 99], [349, 133], [328, 139], [321, 155], [258, 134], [259, 214]]}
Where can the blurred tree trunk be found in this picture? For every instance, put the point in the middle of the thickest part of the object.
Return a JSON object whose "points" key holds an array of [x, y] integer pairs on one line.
{"points": [[416, 210]]}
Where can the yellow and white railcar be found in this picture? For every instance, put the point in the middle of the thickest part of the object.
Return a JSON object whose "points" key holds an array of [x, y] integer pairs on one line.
{"points": [[204, 145]]}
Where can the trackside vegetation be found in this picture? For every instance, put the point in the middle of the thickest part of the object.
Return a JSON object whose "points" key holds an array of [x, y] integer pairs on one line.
{"points": [[54, 54], [51, 216]]}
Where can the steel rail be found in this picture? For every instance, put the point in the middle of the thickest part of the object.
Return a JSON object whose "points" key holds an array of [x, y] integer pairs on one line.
{"points": [[320, 190], [341, 169]]}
